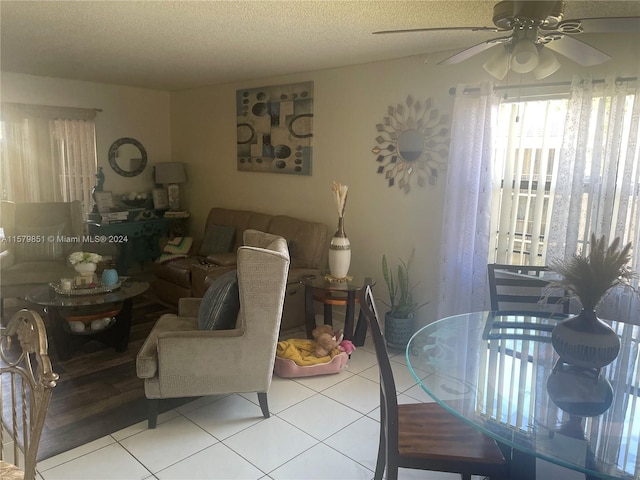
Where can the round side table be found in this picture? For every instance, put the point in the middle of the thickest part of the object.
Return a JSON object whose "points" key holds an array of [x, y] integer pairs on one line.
{"points": [[335, 292]]}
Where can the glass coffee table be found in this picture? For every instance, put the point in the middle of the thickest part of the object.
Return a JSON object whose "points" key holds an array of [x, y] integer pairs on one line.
{"points": [[67, 312]]}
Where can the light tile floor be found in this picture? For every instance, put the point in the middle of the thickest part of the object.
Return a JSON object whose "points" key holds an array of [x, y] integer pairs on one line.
{"points": [[323, 427]]}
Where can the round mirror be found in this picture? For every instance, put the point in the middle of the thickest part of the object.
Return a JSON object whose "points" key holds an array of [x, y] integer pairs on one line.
{"points": [[127, 157], [410, 145]]}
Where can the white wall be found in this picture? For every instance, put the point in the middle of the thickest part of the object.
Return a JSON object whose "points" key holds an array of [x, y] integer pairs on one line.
{"points": [[348, 104], [198, 127], [126, 112]]}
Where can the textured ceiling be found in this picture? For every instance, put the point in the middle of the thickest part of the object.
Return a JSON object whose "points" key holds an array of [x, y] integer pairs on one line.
{"points": [[172, 45]]}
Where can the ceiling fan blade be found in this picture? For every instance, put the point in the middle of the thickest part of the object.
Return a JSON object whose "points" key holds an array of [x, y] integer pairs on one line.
{"points": [[578, 51], [474, 50], [599, 25], [442, 29]]}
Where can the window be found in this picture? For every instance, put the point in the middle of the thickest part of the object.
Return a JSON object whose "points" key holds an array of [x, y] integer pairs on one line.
{"points": [[47, 154], [528, 143]]}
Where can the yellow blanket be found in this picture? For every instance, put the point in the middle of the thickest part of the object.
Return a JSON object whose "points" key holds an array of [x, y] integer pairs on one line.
{"points": [[301, 352]]}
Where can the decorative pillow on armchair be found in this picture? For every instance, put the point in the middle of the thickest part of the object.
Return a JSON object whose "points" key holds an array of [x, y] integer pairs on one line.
{"points": [[220, 304]]}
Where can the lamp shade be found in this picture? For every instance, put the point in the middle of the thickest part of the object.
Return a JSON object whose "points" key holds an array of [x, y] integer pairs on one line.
{"points": [[524, 57], [547, 64], [498, 64], [170, 172]]}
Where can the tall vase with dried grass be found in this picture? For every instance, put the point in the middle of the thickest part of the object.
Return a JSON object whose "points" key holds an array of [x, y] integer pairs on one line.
{"points": [[585, 340], [340, 246]]}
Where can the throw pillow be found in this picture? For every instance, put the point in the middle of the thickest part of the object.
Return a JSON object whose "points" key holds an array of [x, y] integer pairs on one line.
{"points": [[221, 303], [39, 242], [217, 239]]}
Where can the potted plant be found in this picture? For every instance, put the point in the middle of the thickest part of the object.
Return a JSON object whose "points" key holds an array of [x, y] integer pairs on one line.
{"points": [[399, 321], [585, 340]]}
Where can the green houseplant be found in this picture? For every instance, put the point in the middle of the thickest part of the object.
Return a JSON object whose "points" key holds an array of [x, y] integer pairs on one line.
{"points": [[399, 322], [585, 340]]}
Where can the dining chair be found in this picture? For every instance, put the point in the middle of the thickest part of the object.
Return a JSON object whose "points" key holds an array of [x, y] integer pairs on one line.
{"points": [[523, 288], [425, 436], [26, 384]]}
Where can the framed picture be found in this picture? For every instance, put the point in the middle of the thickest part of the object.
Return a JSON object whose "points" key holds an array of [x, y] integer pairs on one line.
{"points": [[104, 201], [160, 199]]}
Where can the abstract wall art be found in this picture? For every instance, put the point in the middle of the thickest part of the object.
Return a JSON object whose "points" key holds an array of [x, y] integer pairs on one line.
{"points": [[275, 128]]}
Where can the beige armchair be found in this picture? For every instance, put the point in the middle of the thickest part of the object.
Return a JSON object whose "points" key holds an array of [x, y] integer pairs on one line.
{"points": [[38, 237], [180, 360]]}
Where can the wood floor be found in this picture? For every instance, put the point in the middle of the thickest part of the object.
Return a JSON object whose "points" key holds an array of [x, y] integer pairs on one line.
{"points": [[98, 392]]}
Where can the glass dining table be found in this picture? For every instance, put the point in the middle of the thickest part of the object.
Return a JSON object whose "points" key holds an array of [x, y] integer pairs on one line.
{"points": [[496, 372]]}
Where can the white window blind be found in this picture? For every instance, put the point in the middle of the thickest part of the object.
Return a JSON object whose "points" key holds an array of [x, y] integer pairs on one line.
{"points": [[528, 143]]}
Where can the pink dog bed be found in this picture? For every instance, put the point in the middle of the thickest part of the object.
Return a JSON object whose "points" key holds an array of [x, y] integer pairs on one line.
{"points": [[287, 368]]}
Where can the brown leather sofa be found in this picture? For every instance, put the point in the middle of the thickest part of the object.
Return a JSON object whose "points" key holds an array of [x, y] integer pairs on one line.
{"points": [[308, 244]]}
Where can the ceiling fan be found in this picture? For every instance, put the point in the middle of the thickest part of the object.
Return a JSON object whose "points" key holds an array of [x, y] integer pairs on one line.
{"points": [[533, 28]]}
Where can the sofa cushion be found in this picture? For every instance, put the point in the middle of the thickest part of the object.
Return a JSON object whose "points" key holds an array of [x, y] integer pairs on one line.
{"points": [[177, 271], [221, 303], [308, 241], [147, 358], [37, 244], [223, 259], [217, 239], [240, 219]]}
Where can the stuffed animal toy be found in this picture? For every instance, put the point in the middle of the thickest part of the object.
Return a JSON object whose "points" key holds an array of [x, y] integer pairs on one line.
{"points": [[326, 340], [346, 346]]}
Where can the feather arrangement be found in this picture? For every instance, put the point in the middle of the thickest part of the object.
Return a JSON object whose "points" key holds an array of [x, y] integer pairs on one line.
{"points": [[340, 196], [591, 276]]}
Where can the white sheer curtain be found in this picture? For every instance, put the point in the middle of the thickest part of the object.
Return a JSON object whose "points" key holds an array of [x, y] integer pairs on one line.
{"points": [[48, 154], [464, 244], [598, 187]]}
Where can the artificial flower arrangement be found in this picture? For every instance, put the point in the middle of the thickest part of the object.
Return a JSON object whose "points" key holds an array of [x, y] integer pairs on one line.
{"points": [[84, 257]]}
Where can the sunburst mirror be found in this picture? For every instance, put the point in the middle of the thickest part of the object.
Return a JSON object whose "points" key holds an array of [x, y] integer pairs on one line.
{"points": [[413, 142]]}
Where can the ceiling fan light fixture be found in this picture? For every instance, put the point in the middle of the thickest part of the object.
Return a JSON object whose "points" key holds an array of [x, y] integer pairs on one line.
{"points": [[524, 57], [498, 64], [547, 64]]}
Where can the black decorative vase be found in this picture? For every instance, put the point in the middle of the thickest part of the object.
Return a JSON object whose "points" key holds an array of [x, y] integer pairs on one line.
{"points": [[585, 341]]}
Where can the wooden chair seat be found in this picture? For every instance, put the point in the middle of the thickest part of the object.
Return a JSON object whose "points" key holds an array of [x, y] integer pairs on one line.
{"points": [[428, 431]]}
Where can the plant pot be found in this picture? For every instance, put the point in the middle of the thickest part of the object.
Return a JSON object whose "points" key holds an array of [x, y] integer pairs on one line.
{"points": [[85, 268], [398, 331], [585, 341]]}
